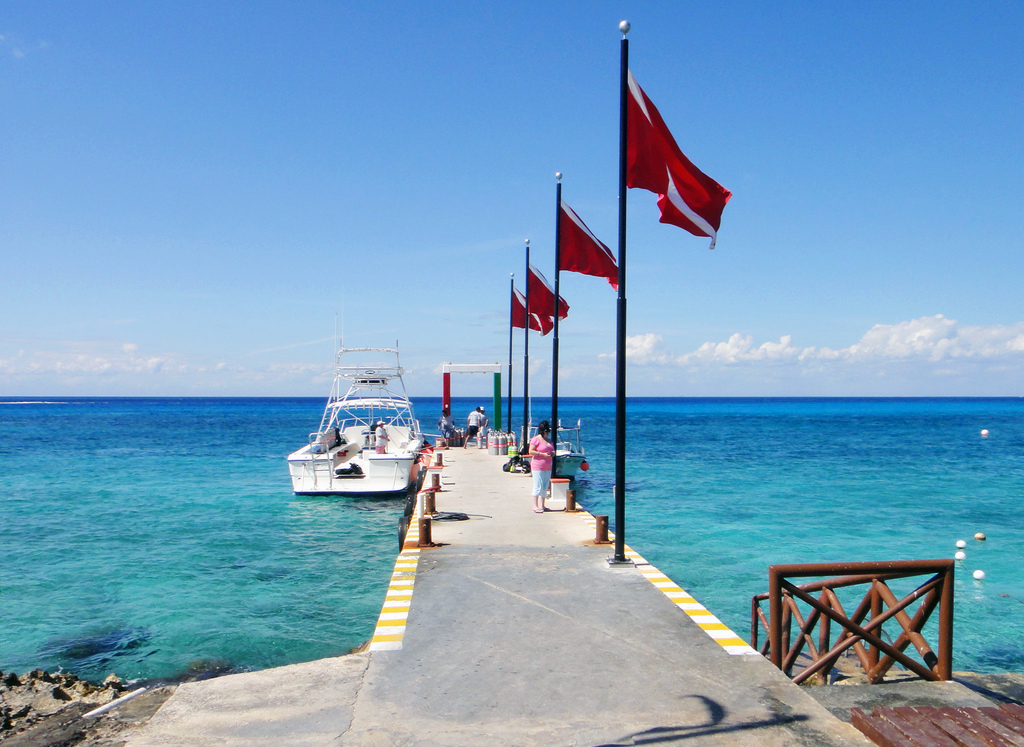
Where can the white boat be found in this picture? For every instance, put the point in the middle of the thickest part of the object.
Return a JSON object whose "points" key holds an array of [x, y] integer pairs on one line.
{"points": [[341, 456], [569, 454]]}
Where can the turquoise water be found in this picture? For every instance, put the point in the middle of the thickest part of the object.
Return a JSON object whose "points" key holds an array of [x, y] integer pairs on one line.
{"points": [[738, 485], [154, 537]]}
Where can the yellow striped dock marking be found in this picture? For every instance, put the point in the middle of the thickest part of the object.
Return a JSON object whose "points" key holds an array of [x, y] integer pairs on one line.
{"points": [[698, 614], [394, 614]]}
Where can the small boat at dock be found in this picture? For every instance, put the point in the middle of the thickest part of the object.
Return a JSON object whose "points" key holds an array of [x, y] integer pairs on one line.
{"points": [[569, 454], [341, 456]]}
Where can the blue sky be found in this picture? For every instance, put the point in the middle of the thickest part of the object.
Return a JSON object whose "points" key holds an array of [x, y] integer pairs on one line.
{"points": [[193, 192]]}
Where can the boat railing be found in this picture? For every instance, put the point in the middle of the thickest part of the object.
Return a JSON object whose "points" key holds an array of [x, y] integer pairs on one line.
{"points": [[568, 438], [876, 651], [345, 415]]}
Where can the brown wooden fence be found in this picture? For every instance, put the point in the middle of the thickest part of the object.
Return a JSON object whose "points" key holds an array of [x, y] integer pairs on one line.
{"points": [[863, 630]]}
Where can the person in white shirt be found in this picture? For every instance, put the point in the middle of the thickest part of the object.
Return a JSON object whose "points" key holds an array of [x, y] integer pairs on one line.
{"points": [[473, 427], [481, 434], [381, 435]]}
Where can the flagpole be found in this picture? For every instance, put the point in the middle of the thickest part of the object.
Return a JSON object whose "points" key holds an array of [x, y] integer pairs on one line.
{"points": [[526, 356], [511, 313], [554, 342], [620, 332]]}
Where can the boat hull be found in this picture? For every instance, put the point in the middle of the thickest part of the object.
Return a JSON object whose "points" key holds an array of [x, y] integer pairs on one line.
{"points": [[567, 465], [365, 474]]}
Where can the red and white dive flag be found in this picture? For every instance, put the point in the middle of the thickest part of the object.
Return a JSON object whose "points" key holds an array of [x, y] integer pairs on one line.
{"points": [[581, 251], [538, 323], [542, 296], [688, 198]]}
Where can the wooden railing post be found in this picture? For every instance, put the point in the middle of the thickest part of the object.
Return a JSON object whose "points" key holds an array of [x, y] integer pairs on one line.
{"points": [[876, 610], [946, 626], [754, 608], [825, 629], [775, 616]]}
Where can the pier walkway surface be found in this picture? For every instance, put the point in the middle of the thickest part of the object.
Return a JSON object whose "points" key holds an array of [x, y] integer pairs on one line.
{"points": [[518, 632]]}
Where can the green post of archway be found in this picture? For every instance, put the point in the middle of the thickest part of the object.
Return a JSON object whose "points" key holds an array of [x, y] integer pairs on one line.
{"points": [[497, 401]]}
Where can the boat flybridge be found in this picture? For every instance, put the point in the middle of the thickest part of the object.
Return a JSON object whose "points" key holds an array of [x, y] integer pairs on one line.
{"points": [[342, 455]]}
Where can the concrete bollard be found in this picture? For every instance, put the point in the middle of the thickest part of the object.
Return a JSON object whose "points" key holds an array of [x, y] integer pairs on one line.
{"points": [[570, 501], [425, 533], [602, 531]]}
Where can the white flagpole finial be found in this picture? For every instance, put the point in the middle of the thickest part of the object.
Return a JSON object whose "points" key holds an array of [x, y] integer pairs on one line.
{"points": [[527, 242], [624, 27], [558, 176]]}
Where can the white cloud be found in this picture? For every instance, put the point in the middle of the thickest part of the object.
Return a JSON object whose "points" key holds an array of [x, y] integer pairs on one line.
{"points": [[739, 349], [87, 368], [642, 350], [931, 337], [18, 47], [927, 356], [928, 338]]}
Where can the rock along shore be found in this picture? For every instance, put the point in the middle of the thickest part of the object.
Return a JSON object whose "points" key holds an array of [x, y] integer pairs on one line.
{"points": [[44, 709]]}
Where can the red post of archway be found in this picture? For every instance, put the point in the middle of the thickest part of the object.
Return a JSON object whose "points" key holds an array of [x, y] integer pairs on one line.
{"points": [[446, 398]]}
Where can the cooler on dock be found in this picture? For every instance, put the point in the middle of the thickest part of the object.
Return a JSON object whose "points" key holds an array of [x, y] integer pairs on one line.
{"points": [[560, 488]]}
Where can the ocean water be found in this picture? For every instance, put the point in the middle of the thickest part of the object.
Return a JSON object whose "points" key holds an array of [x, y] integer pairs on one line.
{"points": [[158, 538]]}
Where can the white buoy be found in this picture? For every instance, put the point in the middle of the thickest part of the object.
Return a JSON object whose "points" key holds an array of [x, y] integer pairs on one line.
{"points": [[960, 555], [961, 544], [979, 574], [984, 432]]}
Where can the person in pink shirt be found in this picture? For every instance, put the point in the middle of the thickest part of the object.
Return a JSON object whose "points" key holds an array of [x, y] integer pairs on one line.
{"points": [[542, 452]]}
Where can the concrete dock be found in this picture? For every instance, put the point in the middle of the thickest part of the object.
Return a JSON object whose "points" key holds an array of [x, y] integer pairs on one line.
{"points": [[514, 630]]}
